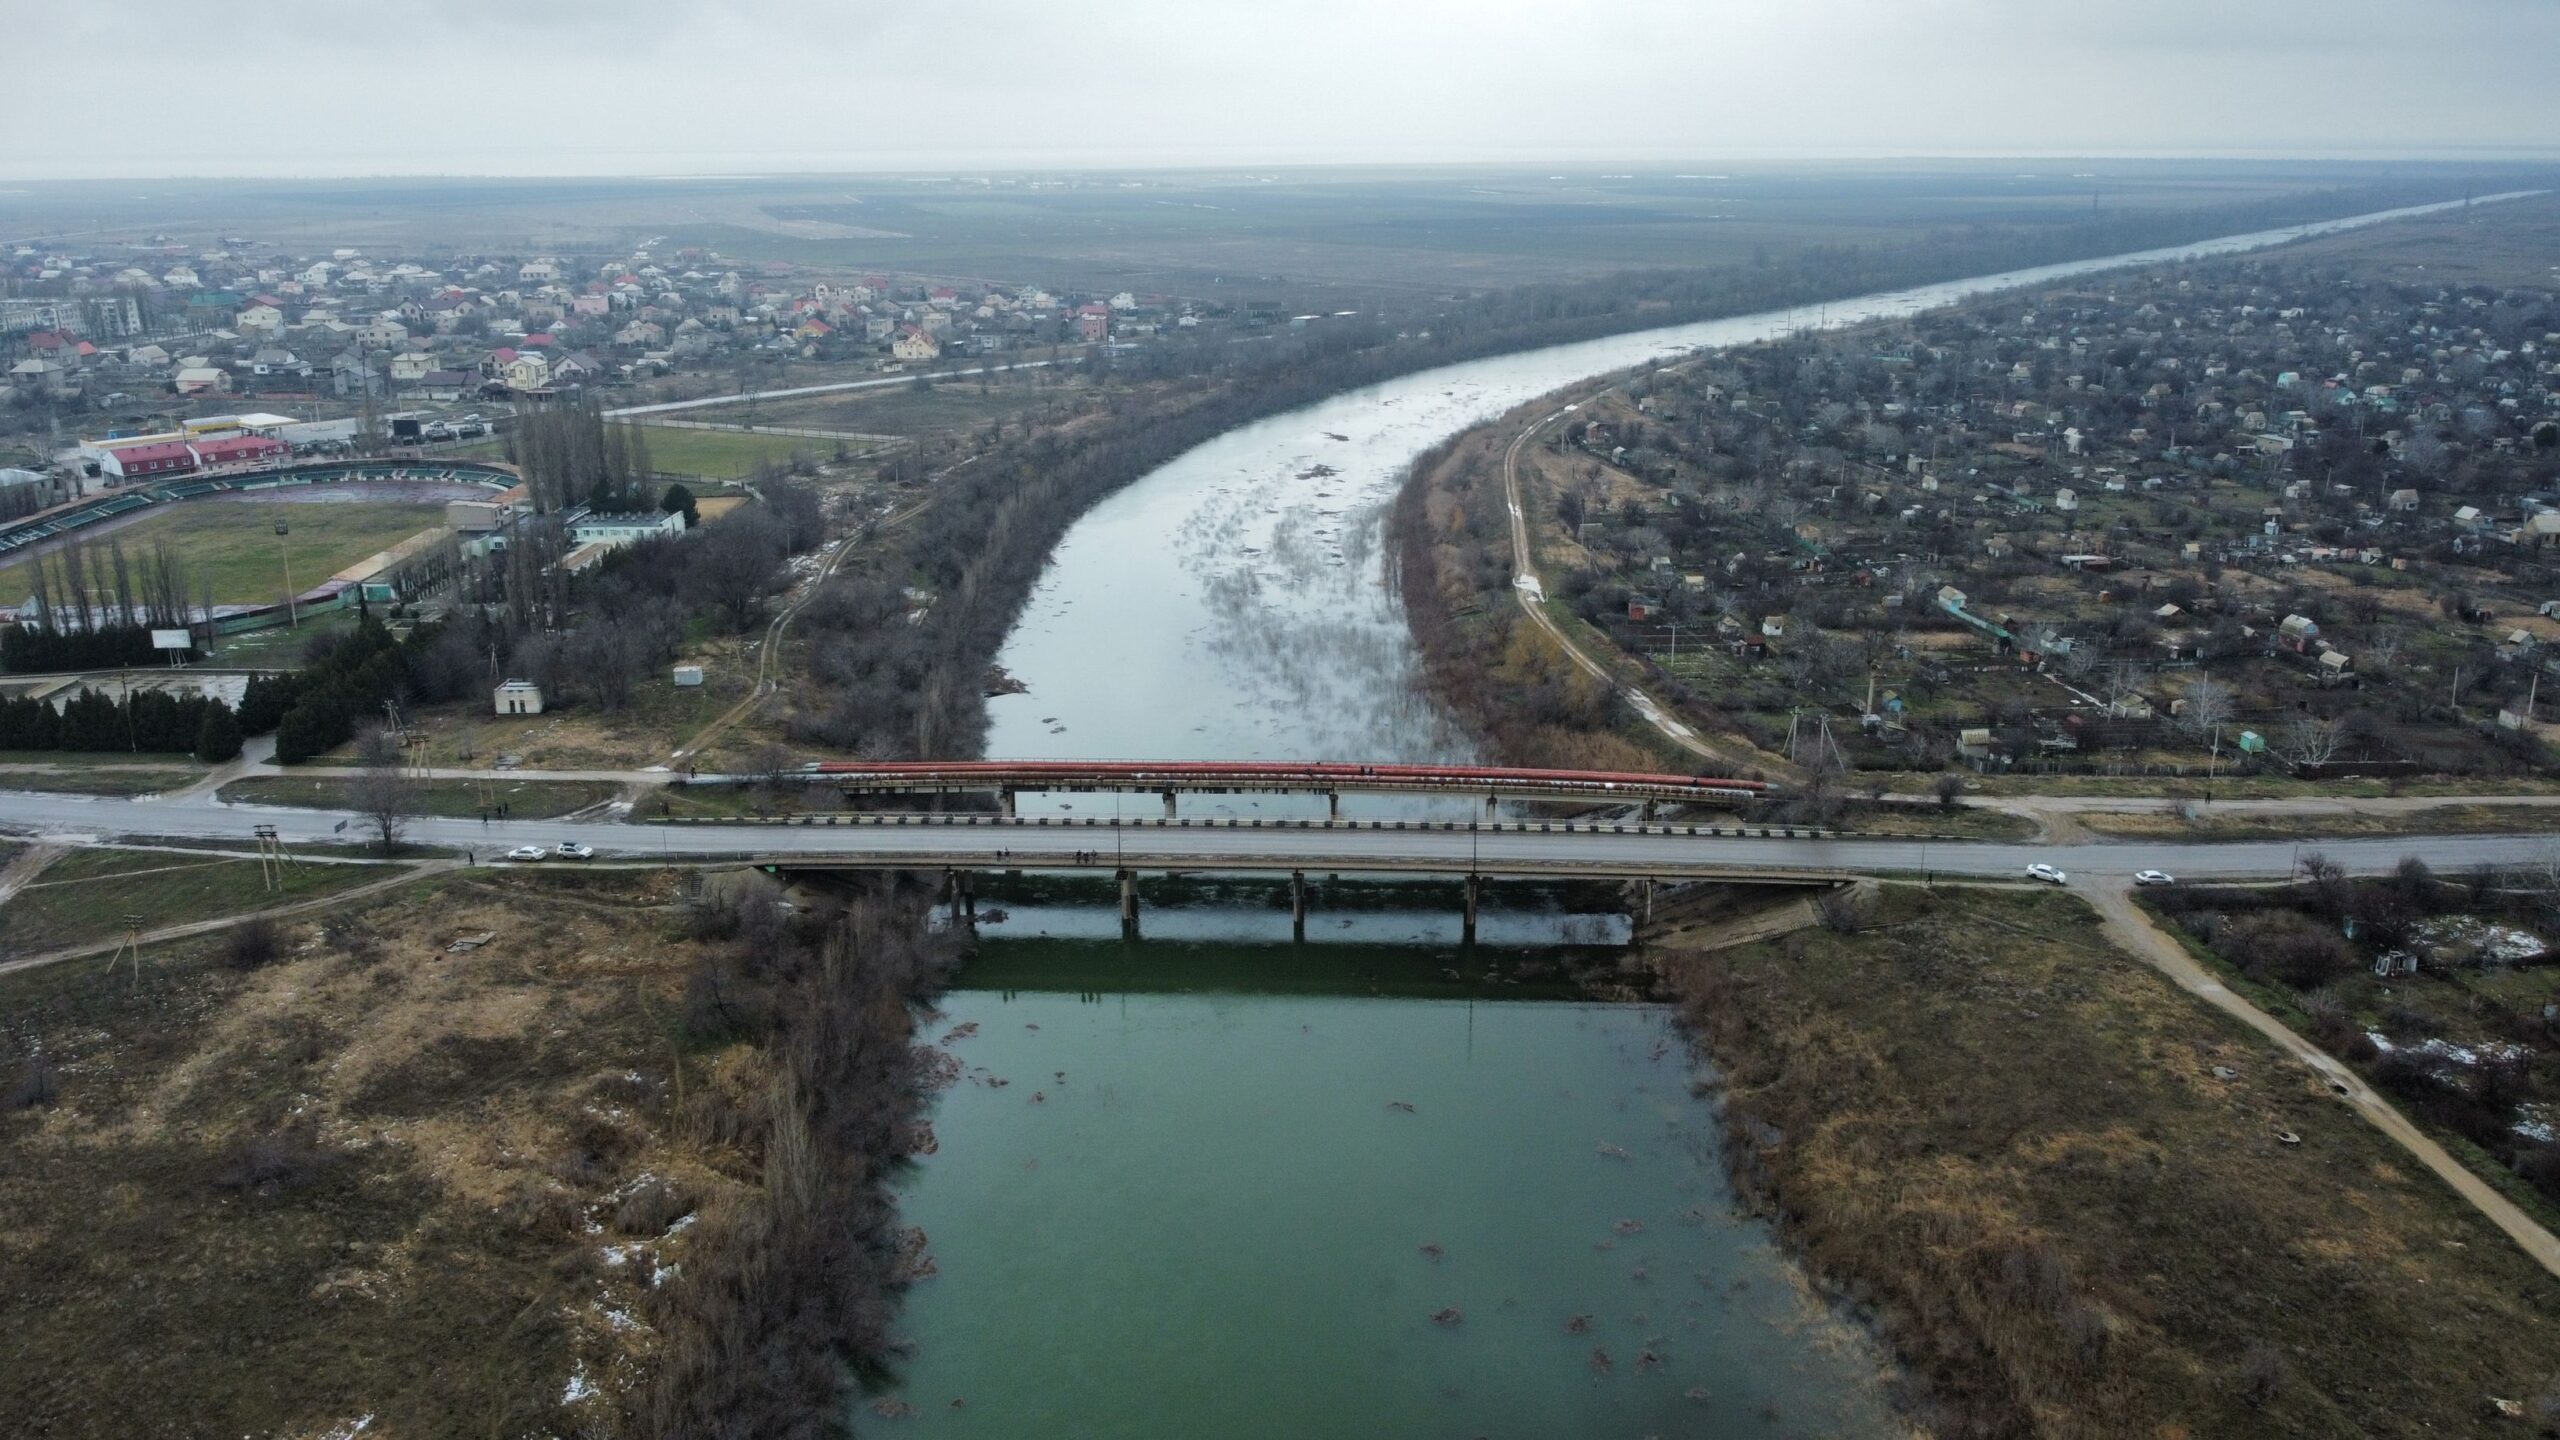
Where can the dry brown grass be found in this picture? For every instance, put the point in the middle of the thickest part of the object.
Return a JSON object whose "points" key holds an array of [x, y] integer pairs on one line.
{"points": [[357, 1180], [2243, 825], [2010, 1141]]}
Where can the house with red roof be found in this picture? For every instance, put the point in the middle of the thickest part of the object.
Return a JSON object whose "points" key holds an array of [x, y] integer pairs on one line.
{"points": [[141, 462]]}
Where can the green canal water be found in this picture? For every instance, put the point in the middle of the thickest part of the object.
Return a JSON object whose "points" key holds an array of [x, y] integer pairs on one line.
{"points": [[1212, 1188]]}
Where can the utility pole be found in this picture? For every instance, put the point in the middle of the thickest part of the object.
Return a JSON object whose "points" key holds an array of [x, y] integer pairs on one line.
{"points": [[132, 941], [292, 615]]}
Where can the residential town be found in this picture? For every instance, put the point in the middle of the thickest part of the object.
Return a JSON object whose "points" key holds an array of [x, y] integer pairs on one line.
{"points": [[94, 338], [2248, 511]]}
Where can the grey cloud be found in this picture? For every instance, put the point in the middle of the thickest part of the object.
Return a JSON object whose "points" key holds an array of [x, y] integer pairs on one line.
{"points": [[586, 86]]}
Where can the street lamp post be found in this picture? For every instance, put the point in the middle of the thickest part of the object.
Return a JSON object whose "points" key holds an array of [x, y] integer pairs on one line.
{"points": [[292, 615]]}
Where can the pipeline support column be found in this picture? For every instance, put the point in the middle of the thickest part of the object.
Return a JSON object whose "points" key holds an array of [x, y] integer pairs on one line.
{"points": [[1298, 905], [1475, 894]]}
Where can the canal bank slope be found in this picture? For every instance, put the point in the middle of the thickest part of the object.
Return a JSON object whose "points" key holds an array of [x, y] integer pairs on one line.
{"points": [[2079, 1202]]}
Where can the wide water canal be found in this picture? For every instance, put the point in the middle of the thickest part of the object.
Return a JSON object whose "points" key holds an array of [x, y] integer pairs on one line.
{"points": [[1225, 1186]]}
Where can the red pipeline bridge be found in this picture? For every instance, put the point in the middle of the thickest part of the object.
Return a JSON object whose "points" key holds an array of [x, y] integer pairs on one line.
{"points": [[1005, 779]]}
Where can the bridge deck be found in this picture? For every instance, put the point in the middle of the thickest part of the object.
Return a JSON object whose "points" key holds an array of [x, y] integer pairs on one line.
{"points": [[1516, 850]]}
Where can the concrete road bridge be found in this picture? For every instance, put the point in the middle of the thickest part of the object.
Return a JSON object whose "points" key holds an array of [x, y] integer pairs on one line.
{"points": [[1627, 851], [1004, 780]]}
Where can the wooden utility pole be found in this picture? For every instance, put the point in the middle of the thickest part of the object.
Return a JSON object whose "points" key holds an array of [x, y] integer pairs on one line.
{"points": [[132, 941]]}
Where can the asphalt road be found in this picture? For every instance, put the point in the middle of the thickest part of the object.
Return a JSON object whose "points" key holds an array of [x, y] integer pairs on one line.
{"points": [[199, 816]]}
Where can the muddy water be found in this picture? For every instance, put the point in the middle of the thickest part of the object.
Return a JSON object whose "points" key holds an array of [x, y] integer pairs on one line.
{"points": [[1225, 1185]]}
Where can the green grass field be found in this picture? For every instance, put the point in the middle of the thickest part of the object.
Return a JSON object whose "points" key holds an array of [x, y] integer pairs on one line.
{"points": [[235, 545], [717, 454], [86, 895]]}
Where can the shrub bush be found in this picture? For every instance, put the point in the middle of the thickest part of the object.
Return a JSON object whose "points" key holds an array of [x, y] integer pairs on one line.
{"points": [[253, 944]]}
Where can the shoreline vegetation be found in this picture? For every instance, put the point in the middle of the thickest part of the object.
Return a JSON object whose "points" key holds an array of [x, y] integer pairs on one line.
{"points": [[793, 1277], [2078, 1203]]}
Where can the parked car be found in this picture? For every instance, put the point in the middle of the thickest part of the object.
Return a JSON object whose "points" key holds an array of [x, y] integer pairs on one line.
{"points": [[527, 852], [2154, 877], [572, 850], [2046, 873]]}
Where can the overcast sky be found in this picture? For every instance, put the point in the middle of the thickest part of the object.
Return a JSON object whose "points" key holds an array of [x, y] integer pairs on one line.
{"points": [[538, 87]]}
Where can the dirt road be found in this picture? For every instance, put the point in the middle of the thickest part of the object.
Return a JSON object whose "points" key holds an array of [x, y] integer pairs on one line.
{"points": [[2129, 926]]}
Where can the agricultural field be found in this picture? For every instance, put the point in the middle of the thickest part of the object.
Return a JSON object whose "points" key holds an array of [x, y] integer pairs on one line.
{"points": [[233, 546]]}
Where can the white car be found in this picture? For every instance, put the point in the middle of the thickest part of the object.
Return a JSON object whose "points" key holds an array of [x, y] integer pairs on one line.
{"points": [[572, 850], [527, 852], [2046, 873], [2154, 877]]}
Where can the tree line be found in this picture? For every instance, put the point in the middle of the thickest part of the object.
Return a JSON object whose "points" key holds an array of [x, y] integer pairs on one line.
{"points": [[93, 605], [148, 721]]}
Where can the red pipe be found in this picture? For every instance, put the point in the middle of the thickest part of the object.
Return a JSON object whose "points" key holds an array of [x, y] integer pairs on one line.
{"points": [[1312, 772]]}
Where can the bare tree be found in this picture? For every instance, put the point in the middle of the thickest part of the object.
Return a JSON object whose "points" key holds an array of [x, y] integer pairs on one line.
{"points": [[385, 793], [2125, 681], [2381, 650], [2310, 740], [2206, 707]]}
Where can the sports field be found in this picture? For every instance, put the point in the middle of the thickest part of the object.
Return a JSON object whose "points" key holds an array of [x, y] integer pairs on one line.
{"points": [[234, 545], [716, 454]]}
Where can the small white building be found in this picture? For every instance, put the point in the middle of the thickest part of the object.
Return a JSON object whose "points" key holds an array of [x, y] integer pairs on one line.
{"points": [[519, 697], [688, 675], [595, 527]]}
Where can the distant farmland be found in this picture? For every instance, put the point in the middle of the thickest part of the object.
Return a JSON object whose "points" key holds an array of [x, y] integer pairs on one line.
{"points": [[235, 546]]}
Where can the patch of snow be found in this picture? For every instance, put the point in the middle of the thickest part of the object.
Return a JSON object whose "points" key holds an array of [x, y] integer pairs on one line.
{"points": [[2445, 1050], [578, 1388], [351, 1429]]}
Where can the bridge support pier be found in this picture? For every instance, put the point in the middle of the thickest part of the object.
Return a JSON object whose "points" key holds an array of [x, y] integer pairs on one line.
{"points": [[1128, 905], [1333, 804], [1005, 798], [1168, 804], [1475, 895], [1649, 808], [1488, 807], [1298, 905], [1648, 900]]}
